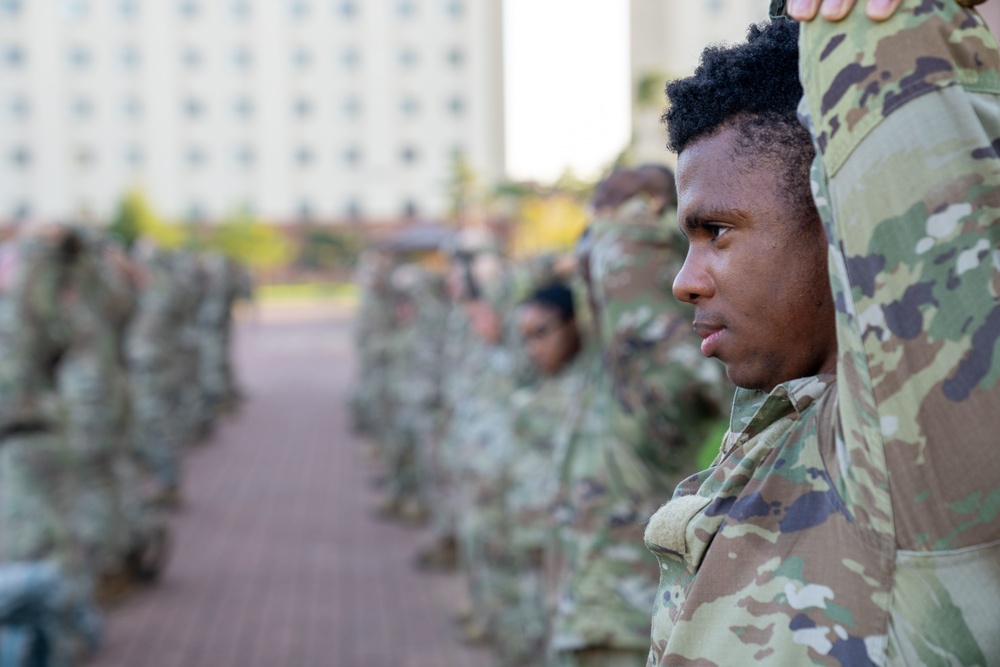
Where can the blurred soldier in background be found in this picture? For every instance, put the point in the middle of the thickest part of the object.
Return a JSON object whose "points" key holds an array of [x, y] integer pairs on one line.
{"points": [[651, 401], [40, 465], [152, 351]]}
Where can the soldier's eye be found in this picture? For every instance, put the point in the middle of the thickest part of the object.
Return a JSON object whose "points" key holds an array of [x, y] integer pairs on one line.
{"points": [[714, 230]]}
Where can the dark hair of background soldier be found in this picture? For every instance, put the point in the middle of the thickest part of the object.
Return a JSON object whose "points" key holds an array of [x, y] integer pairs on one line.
{"points": [[753, 87], [556, 297]]}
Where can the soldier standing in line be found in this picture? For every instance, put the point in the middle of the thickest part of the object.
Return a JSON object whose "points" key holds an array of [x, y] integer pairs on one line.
{"points": [[40, 478], [547, 324], [152, 353], [634, 434]]}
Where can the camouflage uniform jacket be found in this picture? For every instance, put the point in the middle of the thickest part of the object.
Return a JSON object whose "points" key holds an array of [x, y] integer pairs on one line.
{"points": [[852, 519], [658, 376], [604, 577]]}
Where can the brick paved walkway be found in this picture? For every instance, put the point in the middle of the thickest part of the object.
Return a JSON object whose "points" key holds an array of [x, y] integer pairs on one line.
{"points": [[277, 560]]}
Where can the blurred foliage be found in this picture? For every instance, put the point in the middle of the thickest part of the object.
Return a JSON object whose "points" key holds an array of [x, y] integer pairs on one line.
{"points": [[547, 223], [135, 218], [326, 249], [461, 187], [649, 89], [307, 292], [712, 444], [250, 241]]}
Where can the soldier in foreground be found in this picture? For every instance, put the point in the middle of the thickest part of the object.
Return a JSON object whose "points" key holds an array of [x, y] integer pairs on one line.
{"points": [[850, 518]]}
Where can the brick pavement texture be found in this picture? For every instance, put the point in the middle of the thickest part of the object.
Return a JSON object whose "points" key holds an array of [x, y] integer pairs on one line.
{"points": [[278, 561]]}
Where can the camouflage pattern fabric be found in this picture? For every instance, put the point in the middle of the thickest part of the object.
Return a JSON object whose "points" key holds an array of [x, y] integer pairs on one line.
{"points": [[93, 389], [152, 352], [851, 519], [530, 491], [631, 438]]}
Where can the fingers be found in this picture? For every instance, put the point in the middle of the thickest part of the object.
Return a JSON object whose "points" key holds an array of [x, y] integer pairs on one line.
{"points": [[880, 10], [835, 10], [803, 10]]}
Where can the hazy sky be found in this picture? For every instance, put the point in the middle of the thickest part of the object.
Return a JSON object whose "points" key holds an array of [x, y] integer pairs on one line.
{"points": [[567, 85]]}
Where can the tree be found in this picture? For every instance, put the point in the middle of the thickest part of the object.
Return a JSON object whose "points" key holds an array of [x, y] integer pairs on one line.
{"points": [[135, 218]]}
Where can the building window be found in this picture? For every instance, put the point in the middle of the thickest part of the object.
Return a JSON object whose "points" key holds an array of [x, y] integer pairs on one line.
{"points": [[303, 107], [82, 108], [84, 157], [130, 58], [299, 9], [353, 209], [407, 58], [409, 106], [302, 58], [134, 157], [132, 108], [14, 56], [21, 211], [241, 10], [352, 157], [304, 156], [19, 108], [352, 107], [244, 108], [195, 211], [246, 156], [456, 106], [350, 58], [347, 9], [455, 57], [191, 58], [406, 9], [455, 9], [193, 107], [75, 10], [20, 157], [128, 9], [195, 157], [409, 155], [188, 9], [10, 8], [242, 58], [78, 57]]}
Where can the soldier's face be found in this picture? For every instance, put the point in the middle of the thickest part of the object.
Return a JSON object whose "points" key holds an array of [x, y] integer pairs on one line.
{"points": [[550, 342], [755, 272]]}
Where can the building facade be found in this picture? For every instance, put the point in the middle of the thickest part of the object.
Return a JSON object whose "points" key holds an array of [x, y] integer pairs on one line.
{"points": [[325, 110], [668, 37]]}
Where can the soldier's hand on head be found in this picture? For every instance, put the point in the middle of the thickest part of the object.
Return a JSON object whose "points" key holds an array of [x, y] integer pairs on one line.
{"points": [[835, 10]]}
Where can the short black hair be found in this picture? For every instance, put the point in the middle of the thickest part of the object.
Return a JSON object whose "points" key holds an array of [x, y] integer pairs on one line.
{"points": [[554, 296], [753, 87]]}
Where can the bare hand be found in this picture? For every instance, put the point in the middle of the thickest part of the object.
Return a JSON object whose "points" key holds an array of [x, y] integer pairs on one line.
{"points": [[835, 10]]}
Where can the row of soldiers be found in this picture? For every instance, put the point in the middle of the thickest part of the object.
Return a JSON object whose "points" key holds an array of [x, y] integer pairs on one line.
{"points": [[110, 361], [537, 413]]}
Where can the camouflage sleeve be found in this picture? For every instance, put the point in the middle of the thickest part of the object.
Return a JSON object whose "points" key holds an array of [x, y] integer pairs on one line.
{"points": [[906, 119], [646, 334]]}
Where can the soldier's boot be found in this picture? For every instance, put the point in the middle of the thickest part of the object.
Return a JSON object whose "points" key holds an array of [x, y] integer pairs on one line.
{"points": [[413, 512], [147, 559], [114, 588], [388, 508], [170, 497], [475, 633], [442, 556]]}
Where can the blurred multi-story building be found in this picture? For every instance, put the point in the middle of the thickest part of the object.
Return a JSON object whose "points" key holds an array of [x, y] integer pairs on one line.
{"points": [[292, 109], [667, 38]]}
